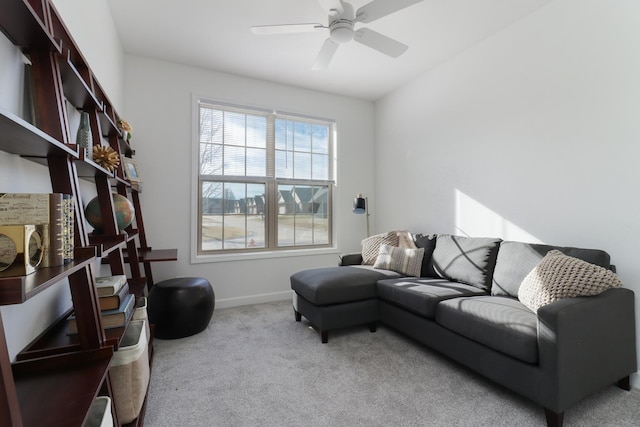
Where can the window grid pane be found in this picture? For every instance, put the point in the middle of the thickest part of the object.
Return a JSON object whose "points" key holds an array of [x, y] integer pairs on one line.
{"points": [[234, 143], [232, 216], [303, 215]]}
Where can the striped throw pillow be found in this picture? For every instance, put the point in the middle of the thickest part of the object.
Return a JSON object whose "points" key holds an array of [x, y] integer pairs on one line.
{"points": [[401, 260]]}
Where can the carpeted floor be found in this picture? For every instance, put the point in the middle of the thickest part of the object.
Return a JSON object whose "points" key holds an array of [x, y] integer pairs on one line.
{"points": [[256, 366]]}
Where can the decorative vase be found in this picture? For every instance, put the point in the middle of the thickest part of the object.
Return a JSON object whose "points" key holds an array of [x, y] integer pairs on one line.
{"points": [[84, 139]]}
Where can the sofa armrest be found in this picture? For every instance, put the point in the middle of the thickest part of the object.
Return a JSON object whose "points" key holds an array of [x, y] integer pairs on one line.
{"points": [[350, 259], [586, 343]]}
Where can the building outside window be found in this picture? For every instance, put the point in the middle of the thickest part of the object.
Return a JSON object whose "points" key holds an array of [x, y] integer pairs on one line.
{"points": [[265, 180]]}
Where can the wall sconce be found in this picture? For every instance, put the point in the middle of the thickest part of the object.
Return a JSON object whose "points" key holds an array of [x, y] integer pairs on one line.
{"points": [[361, 206]]}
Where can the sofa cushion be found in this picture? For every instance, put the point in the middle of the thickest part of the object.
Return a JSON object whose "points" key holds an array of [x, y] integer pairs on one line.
{"points": [[560, 276], [371, 246], [517, 259], [501, 323], [405, 240], [468, 260], [422, 295], [401, 260], [428, 242], [333, 285]]}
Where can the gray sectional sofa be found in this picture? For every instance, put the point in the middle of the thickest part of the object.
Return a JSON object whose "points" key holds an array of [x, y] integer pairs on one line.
{"points": [[465, 305]]}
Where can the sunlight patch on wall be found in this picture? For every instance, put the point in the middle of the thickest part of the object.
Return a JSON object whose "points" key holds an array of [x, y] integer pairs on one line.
{"points": [[475, 219]]}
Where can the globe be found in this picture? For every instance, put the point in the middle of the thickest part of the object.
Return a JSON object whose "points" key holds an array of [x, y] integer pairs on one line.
{"points": [[122, 206]]}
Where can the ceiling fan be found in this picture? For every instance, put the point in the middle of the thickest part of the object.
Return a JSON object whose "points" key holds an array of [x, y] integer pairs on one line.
{"points": [[342, 19]]}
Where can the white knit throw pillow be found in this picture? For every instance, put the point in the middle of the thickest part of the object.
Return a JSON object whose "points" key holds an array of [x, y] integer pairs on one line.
{"points": [[559, 276], [371, 246]]}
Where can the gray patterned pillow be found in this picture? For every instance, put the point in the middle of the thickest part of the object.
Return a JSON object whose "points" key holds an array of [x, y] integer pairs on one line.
{"points": [[401, 260], [371, 246], [559, 276], [469, 260]]}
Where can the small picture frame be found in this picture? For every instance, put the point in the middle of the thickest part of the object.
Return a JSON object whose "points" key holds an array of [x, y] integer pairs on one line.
{"points": [[130, 169]]}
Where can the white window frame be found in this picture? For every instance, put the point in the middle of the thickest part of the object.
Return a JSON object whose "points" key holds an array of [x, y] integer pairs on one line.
{"points": [[271, 250]]}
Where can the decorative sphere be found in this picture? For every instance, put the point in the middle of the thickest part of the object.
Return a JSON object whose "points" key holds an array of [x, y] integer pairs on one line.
{"points": [[122, 206]]}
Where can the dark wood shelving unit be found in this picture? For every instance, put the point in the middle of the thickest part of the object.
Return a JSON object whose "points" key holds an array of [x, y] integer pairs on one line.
{"points": [[55, 378]]}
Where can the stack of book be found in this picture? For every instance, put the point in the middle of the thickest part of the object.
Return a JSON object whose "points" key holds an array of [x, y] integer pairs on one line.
{"points": [[116, 303]]}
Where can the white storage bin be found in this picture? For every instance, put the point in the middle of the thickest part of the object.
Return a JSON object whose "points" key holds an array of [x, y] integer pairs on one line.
{"points": [[129, 372], [100, 413]]}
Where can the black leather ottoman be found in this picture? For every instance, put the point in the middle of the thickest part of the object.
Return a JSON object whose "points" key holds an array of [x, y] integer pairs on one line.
{"points": [[180, 307], [337, 297]]}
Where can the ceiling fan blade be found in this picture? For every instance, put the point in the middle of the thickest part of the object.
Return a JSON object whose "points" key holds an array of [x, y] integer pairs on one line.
{"points": [[324, 56], [379, 8], [286, 28], [379, 42], [329, 5]]}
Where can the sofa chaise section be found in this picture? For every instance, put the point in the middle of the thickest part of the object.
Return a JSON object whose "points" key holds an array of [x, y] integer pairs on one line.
{"points": [[337, 297]]}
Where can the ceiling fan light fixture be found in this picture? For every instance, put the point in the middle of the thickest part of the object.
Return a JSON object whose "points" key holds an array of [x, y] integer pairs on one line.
{"points": [[342, 32]]}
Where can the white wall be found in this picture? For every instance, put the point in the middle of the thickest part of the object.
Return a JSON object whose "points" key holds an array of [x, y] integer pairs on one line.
{"points": [[91, 25], [158, 97], [92, 28], [530, 135]]}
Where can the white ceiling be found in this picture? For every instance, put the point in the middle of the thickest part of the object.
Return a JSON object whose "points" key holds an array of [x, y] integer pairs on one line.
{"points": [[215, 34]]}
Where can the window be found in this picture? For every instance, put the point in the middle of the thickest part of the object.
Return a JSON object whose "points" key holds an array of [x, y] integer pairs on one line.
{"points": [[265, 180]]}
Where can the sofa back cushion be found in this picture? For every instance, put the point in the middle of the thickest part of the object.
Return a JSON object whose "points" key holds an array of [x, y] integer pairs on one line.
{"points": [[428, 243], [517, 259], [469, 260]]}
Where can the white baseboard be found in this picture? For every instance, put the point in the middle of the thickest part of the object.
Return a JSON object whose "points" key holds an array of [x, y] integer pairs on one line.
{"points": [[253, 299]]}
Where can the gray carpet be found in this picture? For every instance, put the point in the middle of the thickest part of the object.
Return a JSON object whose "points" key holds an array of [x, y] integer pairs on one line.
{"points": [[256, 366]]}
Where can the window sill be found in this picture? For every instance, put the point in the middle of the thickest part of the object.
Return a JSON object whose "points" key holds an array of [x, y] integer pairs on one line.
{"points": [[247, 256]]}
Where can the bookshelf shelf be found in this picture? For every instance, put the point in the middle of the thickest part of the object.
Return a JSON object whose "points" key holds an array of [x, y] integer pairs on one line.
{"points": [[22, 138], [39, 382], [57, 337], [75, 88], [24, 26], [155, 255], [108, 124], [106, 244], [120, 181], [88, 169], [16, 290]]}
